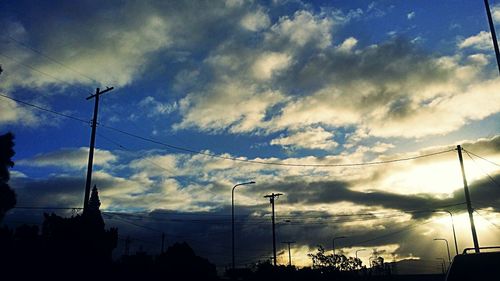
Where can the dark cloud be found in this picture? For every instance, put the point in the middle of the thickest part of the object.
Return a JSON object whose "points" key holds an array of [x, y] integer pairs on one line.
{"points": [[58, 191], [330, 192], [484, 147], [393, 61]]}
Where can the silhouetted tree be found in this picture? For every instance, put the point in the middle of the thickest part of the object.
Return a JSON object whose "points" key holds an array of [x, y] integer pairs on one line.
{"points": [[71, 242], [181, 263], [379, 267], [7, 195], [321, 260], [332, 262]]}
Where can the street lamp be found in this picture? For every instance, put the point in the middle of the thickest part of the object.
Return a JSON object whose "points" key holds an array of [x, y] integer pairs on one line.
{"points": [[453, 227], [333, 242], [447, 247], [232, 217], [360, 250]]}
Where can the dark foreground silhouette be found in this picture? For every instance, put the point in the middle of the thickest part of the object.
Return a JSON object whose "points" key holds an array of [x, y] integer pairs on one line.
{"points": [[7, 195]]}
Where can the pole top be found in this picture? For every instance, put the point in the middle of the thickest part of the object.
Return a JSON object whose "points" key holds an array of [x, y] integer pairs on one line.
{"points": [[98, 92], [272, 195]]}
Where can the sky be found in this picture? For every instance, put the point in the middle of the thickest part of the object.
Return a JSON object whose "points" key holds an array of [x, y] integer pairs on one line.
{"points": [[286, 93]]}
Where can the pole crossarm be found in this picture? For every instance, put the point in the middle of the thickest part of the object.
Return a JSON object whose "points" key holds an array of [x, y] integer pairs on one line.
{"points": [[98, 93]]}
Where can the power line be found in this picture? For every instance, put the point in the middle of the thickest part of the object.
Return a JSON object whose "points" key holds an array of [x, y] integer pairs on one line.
{"points": [[42, 72], [490, 177], [50, 58], [134, 224], [45, 109], [234, 158], [251, 223], [153, 163], [306, 219], [482, 158], [272, 163], [361, 216], [486, 219], [46, 208]]}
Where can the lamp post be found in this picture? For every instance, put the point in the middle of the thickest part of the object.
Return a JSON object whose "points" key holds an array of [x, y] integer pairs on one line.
{"points": [[447, 247], [453, 227], [360, 250], [232, 218], [333, 242]]}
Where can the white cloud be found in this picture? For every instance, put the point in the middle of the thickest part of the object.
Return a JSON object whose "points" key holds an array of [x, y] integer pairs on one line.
{"points": [[255, 21], [69, 158], [160, 180], [478, 59], [480, 41], [347, 45], [380, 89], [155, 108], [229, 106], [410, 15], [442, 115], [303, 28], [313, 138], [495, 13], [122, 53], [411, 177], [389, 105], [269, 63], [387, 90], [234, 3], [12, 113], [381, 147]]}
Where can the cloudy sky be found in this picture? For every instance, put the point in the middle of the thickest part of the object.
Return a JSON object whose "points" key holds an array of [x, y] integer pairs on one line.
{"points": [[287, 93]]}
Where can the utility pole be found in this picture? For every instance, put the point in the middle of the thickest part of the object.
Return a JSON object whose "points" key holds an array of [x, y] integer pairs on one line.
{"points": [[467, 199], [289, 252], [92, 146], [271, 200], [162, 241], [493, 33]]}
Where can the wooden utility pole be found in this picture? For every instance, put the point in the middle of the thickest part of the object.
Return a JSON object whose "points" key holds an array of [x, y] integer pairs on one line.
{"points": [[92, 146], [493, 33], [468, 201], [289, 252], [271, 200]]}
